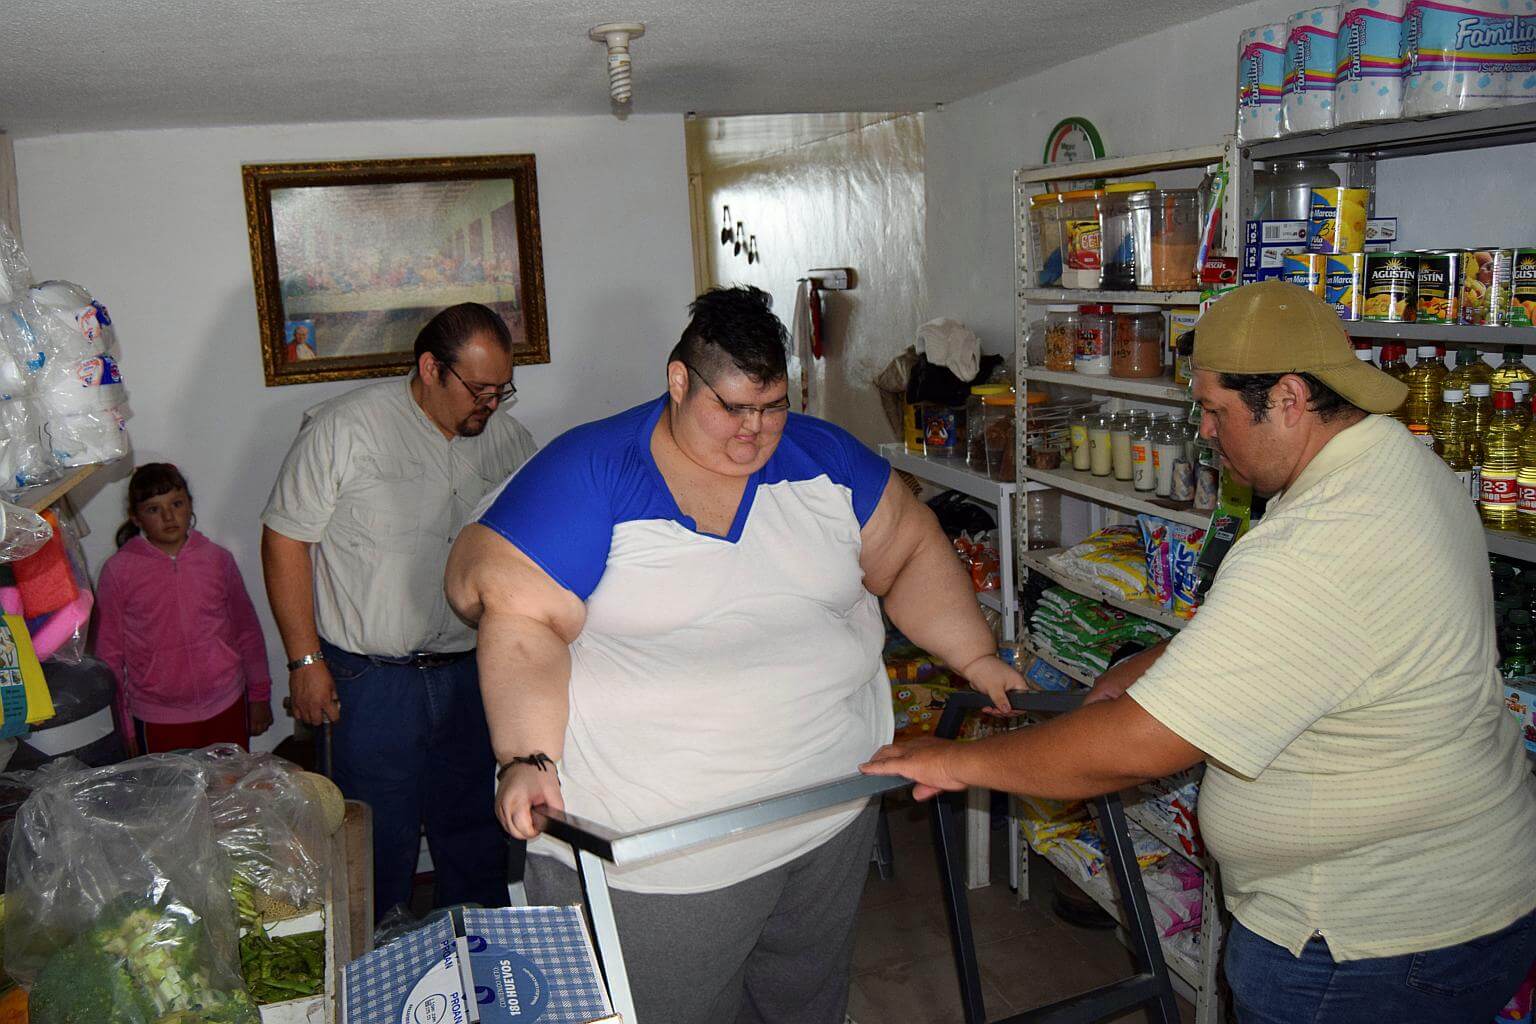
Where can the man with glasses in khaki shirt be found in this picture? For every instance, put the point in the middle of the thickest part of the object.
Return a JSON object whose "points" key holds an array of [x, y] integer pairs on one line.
{"points": [[355, 537]]}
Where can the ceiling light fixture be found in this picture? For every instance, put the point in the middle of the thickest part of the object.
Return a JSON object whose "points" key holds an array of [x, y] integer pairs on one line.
{"points": [[616, 37]]}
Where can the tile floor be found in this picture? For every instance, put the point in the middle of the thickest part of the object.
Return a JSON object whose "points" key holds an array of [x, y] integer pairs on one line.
{"points": [[902, 967]]}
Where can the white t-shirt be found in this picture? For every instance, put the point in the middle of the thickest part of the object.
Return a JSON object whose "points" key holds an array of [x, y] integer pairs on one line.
{"points": [[711, 670]]}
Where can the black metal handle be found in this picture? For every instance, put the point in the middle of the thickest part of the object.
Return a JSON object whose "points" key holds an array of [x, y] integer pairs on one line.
{"points": [[957, 705]]}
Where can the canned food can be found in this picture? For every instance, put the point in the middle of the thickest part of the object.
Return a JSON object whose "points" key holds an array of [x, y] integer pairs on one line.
{"points": [[1485, 286], [1522, 288], [1337, 220], [1344, 284], [1306, 270], [1391, 281], [1438, 296]]}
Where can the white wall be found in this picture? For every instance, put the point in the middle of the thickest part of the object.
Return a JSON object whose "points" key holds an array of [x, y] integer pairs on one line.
{"points": [[1170, 89], [153, 224]]}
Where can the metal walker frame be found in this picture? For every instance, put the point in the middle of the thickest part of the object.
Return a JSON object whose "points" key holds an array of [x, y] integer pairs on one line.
{"points": [[596, 844]]}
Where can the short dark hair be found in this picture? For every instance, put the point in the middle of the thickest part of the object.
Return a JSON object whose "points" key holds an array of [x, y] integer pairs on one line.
{"points": [[735, 324], [1255, 388], [447, 332], [149, 481]]}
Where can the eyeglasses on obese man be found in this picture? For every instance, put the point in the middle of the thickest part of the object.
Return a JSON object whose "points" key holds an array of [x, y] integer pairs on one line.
{"points": [[774, 410]]}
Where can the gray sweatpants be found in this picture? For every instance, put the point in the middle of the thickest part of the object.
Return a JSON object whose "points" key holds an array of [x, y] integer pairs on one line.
{"points": [[774, 949]]}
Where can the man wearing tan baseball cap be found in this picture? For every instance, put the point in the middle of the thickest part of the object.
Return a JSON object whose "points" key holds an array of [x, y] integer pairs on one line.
{"points": [[1366, 795]]}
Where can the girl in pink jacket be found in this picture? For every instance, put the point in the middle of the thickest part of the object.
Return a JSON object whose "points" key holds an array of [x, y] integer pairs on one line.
{"points": [[177, 627]]}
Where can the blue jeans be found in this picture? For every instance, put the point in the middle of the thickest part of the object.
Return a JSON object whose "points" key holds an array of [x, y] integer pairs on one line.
{"points": [[412, 743], [1464, 984]]}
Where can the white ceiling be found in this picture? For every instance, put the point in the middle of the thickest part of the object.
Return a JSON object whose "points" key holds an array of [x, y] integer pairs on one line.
{"points": [[81, 65]]}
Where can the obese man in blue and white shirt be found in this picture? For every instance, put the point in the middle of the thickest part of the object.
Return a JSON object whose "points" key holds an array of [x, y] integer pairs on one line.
{"points": [[680, 605]]}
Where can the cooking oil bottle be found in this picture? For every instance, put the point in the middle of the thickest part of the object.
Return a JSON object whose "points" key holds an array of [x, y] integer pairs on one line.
{"points": [[1394, 363], [1426, 381], [1480, 406], [1526, 483], [1512, 369], [1454, 442], [1499, 498], [1470, 369], [1522, 392]]}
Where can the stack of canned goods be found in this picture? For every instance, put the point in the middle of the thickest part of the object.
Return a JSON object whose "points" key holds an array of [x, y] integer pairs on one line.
{"points": [[1481, 287]]}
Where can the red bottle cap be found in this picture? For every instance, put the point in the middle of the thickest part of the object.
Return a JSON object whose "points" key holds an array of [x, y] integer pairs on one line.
{"points": [[1503, 400]]}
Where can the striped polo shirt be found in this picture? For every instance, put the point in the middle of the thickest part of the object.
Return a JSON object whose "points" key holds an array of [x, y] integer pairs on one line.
{"points": [[1364, 782]]}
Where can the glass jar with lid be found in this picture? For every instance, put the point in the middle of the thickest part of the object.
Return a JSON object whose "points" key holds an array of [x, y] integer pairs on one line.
{"points": [[1045, 230], [976, 418], [1138, 345], [1167, 449], [998, 430], [1117, 238], [1078, 431], [1166, 262], [1143, 474], [1095, 340], [1100, 460], [1061, 325], [1125, 423], [1082, 257]]}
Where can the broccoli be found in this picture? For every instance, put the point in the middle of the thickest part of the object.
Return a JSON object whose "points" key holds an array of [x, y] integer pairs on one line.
{"points": [[140, 964]]}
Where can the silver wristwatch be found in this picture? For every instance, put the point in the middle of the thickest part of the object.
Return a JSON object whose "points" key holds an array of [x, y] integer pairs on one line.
{"points": [[308, 659]]}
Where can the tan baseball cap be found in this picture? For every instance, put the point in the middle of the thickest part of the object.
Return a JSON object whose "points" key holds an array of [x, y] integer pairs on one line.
{"points": [[1275, 327]]}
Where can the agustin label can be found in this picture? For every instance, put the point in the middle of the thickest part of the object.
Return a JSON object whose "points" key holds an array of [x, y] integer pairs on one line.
{"points": [[1485, 286], [1438, 298], [1344, 283], [1305, 269], [1522, 288], [1337, 219], [1391, 280]]}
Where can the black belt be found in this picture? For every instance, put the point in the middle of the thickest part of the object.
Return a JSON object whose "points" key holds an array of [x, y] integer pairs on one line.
{"points": [[421, 660]]}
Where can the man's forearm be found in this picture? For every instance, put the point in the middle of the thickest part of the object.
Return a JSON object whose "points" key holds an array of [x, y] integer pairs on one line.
{"points": [[288, 570], [1100, 748], [933, 602], [525, 677]]}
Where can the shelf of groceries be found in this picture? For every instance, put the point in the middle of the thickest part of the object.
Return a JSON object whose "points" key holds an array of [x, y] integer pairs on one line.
{"points": [[1039, 561], [1158, 827], [1185, 968], [1123, 166], [1447, 133], [952, 473], [1099, 296], [1122, 494], [1161, 388]]}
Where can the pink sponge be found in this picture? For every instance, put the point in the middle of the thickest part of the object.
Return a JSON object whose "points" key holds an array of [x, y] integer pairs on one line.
{"points": [[46, 580]]}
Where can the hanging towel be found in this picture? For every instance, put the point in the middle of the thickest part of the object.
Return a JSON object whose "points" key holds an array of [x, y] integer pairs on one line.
{"points": [[806, 336]]}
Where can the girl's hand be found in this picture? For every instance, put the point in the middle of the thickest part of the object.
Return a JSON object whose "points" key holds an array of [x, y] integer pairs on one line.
{"points": [[260, 712]]}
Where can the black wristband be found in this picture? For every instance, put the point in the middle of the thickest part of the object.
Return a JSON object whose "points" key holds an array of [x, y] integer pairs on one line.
{"points": [[543, 762]]}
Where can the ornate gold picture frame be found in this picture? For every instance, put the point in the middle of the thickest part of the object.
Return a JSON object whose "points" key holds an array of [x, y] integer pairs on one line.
{"points": [[351, 258]]}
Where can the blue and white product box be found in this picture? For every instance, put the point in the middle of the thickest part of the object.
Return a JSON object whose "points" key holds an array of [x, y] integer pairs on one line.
{"points": [[1269, 242], [514, 965], [1381, 234], [1520, 699]]}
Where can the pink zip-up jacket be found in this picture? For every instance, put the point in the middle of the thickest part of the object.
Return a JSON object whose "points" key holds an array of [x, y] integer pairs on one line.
{"points": [[179, 633]]}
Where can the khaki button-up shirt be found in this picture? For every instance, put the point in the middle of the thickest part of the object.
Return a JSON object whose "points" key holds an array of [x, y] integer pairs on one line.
{"points": [[378, 491]]}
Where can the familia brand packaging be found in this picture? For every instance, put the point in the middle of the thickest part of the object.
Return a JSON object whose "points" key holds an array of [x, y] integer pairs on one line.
{"points": [[1370, 72], [1467, 55]]}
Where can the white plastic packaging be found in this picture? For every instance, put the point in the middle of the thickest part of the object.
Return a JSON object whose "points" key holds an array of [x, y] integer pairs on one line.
{"points": [[76, 376], [1467, 55], [1370, 78], [24, 460], [22, 532], [1260, 82], [1311, 62], [15, 272]]}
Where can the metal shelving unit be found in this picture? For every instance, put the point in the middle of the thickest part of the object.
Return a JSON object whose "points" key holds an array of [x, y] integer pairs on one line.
{"points": [[1441, 334], [1038, 561], [1450, 133], [1119, 494], [1511, 544], [956, 475], [1088, 296], [1161, 389]]}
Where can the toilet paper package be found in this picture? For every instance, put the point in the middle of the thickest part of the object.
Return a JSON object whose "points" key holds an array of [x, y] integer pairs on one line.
{"points": [[1260, 81], [1369, 83], [1311, 65], [84, 439], [1467, 55]]}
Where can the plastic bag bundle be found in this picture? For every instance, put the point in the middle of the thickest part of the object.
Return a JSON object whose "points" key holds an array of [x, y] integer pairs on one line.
{"points": [[1086, 634], [1111, 558], [79, 384], [15, 271], [22, 532], [117, 899], [271, 829]]}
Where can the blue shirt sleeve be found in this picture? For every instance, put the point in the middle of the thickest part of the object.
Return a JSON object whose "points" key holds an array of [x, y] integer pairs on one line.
{"points": [[846, 459], [557, 510]]}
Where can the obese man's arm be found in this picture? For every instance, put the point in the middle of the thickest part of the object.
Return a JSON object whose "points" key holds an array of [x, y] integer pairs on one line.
{"points": [[526, 622], [909, 563]]}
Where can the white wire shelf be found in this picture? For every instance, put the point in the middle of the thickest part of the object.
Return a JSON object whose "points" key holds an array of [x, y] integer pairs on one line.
{"points": [[1124, 166], [1161, 388], [1094, 296], [1185, 970], [951, 473], [1037, 561], [1119, 493]]}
